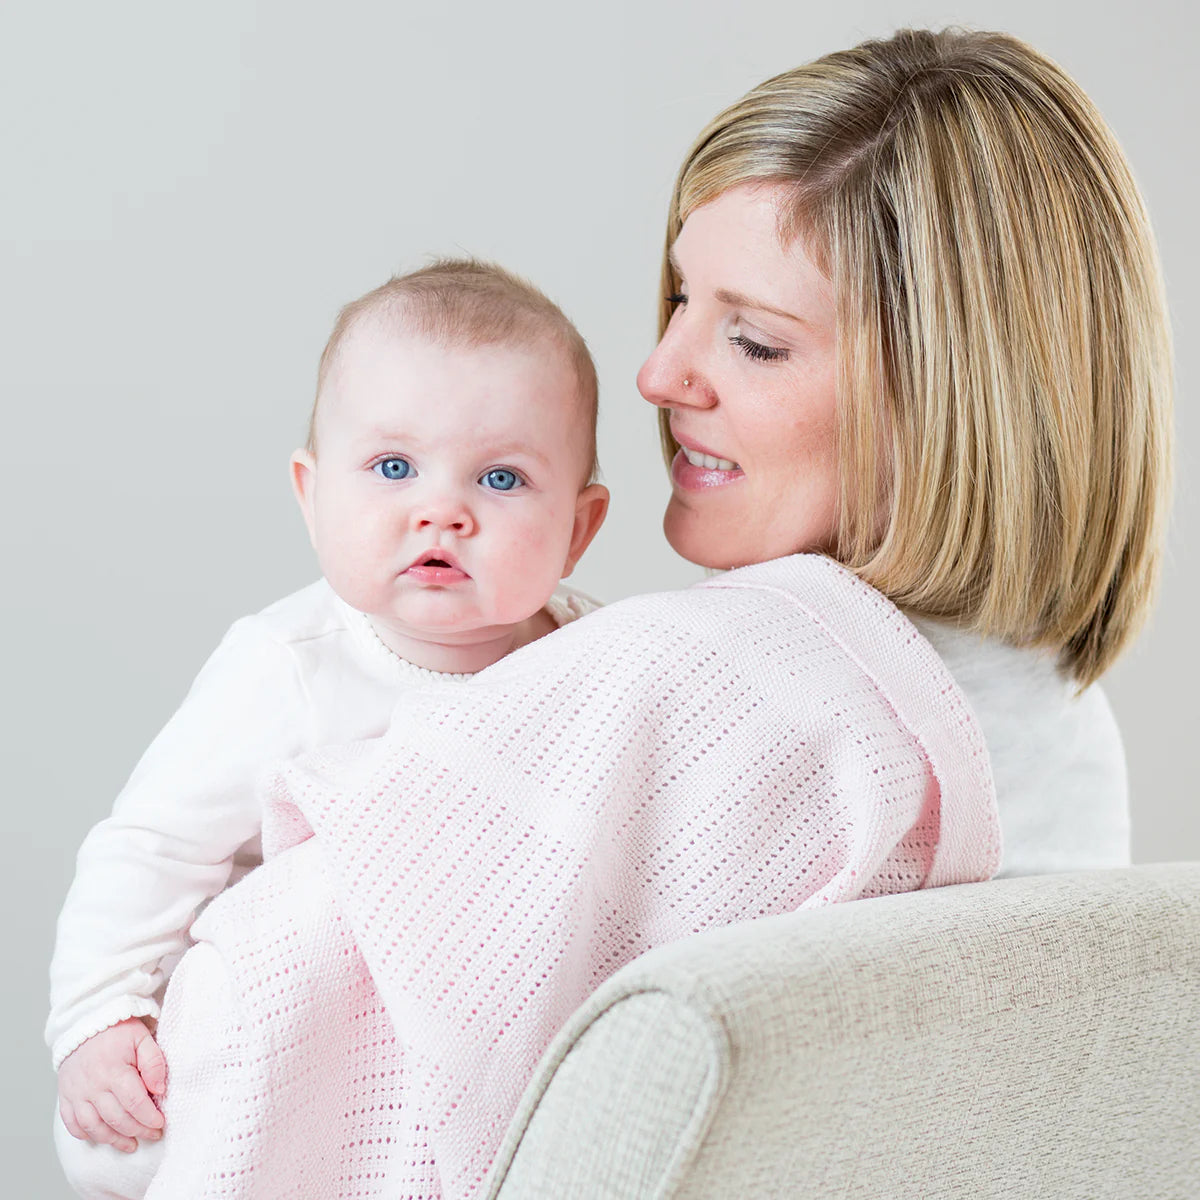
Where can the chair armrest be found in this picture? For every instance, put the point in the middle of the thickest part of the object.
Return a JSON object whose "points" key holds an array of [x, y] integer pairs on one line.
{"points": [[1024, 1037]]}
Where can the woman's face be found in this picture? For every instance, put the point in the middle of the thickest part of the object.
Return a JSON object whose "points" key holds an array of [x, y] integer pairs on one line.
{"points": [[746, 370]]}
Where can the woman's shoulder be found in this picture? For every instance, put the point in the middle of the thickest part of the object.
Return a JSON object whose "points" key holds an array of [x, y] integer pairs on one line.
{"points": [[810, 581], [820, 594], [798, 649], [804, 613]]}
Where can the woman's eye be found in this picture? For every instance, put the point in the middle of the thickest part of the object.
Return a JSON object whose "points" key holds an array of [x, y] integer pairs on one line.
{"points": [[676, 299], [394, 468], [757, 351], [501, 479]]}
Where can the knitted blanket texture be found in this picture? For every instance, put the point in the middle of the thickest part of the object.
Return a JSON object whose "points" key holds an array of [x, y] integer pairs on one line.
{"points": [[360, 1016]]}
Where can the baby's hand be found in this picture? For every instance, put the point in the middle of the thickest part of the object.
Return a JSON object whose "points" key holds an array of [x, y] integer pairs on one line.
{"points": [[106, 1085]]}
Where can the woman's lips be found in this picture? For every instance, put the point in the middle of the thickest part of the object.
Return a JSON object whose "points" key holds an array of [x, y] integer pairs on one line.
{"points": [[692, 478]]}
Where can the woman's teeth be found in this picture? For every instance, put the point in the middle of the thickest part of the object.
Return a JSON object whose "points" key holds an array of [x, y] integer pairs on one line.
{"points": [[707, 460]]}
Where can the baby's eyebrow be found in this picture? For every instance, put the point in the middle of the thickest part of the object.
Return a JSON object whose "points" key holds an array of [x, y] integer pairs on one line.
{"points": [[403, 441], [518, 450], [378, 433]]}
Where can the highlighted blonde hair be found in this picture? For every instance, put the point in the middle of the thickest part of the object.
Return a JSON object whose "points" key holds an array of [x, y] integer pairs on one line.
{"points": [[468, 302], [1004, 374]]}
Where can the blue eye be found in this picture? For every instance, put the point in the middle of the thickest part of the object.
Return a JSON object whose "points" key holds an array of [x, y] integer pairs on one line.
{"points": [[393, 468], [501, 479]]}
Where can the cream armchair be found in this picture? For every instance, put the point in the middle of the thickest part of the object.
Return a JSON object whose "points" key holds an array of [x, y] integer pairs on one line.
{"points": [[1023, 1038]]}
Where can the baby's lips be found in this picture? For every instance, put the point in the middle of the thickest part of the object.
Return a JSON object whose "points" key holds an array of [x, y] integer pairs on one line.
{"points": [[438, 556], [425, 571]]}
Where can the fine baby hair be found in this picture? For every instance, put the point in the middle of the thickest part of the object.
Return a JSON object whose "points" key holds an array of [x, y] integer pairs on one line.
{"points": [[469, 302]]}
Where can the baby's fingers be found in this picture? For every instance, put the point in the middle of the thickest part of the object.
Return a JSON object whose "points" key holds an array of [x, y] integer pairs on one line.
{"points": [[67, 1112], [112, 1113], [152, 1066], [131, 1094], [94, 1128]]}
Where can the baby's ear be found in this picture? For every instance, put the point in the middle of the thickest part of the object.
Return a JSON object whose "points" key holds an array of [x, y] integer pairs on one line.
{"points": [[590, 508], [304, 484]]}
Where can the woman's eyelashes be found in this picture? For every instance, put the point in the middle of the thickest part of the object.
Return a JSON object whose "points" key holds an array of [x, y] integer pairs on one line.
{"points": [[758, 351]]}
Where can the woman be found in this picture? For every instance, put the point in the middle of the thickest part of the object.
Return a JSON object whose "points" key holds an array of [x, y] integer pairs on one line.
{"points": [[987, 440], [913, 327]]}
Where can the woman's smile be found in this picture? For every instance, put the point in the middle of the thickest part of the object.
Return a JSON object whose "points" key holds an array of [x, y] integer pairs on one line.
{"points": [[709, 472], [696, 466]]}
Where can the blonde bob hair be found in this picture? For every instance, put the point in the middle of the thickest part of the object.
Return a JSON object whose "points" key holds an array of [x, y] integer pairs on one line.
{"points": [[1004, 359]]}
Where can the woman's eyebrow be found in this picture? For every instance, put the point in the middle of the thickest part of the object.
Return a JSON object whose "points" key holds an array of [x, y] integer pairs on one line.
{"points": [[740, 300]]}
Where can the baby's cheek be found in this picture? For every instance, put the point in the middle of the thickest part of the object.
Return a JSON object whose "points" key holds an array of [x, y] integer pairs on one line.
{"points": [[357, 566], [530, 569]]}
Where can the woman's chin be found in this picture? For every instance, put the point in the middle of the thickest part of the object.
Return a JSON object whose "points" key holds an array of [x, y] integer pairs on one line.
{"points": [[690, 539]]}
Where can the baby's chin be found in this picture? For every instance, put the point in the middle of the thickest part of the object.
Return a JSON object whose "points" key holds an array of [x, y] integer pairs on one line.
{"points": [[456, 628]]}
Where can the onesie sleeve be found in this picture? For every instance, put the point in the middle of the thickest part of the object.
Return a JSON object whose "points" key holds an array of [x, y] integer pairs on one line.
{"points": [[169, 844]]}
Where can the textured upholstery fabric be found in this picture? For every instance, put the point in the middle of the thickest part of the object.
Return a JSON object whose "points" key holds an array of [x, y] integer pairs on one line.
{"points": [[1035, 1037]]}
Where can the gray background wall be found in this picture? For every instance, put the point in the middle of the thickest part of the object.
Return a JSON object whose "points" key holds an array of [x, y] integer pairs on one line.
{"points": [[191, 192]]}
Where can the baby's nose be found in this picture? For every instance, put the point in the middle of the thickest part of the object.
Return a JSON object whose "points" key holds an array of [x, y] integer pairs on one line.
{"points": [[443, 513]]}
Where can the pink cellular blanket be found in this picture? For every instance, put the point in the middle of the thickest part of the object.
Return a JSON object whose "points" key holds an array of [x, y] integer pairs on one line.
{"points": [[361, 1014]]}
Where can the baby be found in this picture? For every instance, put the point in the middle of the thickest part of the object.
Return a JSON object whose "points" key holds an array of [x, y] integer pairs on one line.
{"points": [[447, 486]]}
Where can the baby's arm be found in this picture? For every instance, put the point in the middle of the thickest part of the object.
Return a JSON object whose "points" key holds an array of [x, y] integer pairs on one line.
{"points": [[169, 844], [108, 1087]]}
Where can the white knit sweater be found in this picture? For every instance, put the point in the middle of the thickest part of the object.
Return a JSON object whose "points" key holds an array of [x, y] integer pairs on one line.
{"points": [[361, 1014]]}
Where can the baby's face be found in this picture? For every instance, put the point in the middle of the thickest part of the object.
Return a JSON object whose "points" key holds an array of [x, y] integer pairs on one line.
{"points": [[443, 497]]}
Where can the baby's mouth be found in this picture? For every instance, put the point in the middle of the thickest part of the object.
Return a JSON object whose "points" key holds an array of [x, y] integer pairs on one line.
{"points": [[435, 566]]}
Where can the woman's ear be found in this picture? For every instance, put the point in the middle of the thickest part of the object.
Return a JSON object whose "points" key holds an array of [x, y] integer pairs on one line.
{"points": [[304, 484], [590, 509]]}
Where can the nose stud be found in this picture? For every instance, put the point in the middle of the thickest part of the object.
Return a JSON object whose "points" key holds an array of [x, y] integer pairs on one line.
{"points": [[687, 382]]}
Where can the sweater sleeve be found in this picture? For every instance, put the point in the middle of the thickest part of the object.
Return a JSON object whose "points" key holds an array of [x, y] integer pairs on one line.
{"points": [[169, 845]]}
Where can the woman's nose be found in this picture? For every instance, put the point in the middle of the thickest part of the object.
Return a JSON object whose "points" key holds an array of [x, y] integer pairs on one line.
{"points": [[669, 378]]}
